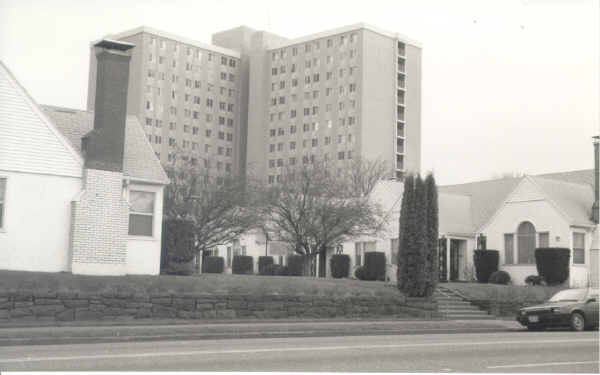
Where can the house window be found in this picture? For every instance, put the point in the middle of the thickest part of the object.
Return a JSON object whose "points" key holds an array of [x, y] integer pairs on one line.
{"points": [[229, 256], [141, 213], [394, 250], [509, 245], [360, 248], [2, 195], [578, 248], [543, 239], [526, 243]]}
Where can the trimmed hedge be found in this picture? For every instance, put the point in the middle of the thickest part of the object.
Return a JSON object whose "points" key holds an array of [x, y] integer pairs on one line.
{"points": [[553, 264], [295, 264], [213, 264], [500, 277], [242, 265], [180, 269], [275, 270], [375, 266], [486, 263], [264, 261], [534, 280], [359, 273], [339, 265]]}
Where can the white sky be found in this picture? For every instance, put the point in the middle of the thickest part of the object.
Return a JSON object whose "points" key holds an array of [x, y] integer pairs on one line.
{"points": [[507, 85]]}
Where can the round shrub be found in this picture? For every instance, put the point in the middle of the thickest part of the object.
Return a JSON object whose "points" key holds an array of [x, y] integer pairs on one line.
{"points": [[359, 273], [242, 265], [553, 264], [534, 280], [275, 270], [295, 264], [500, 277], [340, 265], [213, 264], [180, 269], [374, 266], [486, 263], [264, 261]]}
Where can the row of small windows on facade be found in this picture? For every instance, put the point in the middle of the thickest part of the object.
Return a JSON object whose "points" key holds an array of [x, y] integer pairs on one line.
{"points": [[314, 142], [188, 65], [194, 145], [315, 46], [309, 64], [314, 94], [219, 165], [186, 128], [197, 84], [193, 52], [224, 76], [223, 106], [278, 178], [315, 125], [314, 78]]}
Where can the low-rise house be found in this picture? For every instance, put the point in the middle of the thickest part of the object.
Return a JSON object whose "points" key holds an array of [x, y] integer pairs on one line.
{"points": [[80, 192]]}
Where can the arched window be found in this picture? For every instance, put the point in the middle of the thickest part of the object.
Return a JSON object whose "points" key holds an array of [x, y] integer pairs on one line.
{"points": [[526, 243]]}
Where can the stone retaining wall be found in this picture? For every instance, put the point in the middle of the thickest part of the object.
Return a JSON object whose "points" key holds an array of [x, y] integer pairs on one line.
{"points": [[71, 306], [502, 308]]}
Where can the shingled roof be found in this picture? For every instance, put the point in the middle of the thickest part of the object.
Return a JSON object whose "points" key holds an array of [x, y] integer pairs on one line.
{"points": [[140, 163]]}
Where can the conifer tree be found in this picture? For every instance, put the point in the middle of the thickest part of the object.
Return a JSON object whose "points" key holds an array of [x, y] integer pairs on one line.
{"points": [[403, 237], [432, 233]]}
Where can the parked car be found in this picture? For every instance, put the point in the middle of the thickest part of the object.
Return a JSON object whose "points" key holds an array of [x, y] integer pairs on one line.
{"points": [[575, 308]]}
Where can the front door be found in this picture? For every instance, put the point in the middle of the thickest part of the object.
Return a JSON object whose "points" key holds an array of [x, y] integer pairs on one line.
{"points": [[454, 259]]}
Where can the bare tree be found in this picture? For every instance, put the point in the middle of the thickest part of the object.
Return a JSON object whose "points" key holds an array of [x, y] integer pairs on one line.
{"points": [[218, 207], [313, 209]]}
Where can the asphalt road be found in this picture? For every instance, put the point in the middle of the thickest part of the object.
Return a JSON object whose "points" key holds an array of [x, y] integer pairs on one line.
{"points": [[521, 352]]}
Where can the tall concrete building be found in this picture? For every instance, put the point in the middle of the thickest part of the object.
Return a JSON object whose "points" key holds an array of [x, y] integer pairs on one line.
{"points": [[337, 95], [187, 96]]}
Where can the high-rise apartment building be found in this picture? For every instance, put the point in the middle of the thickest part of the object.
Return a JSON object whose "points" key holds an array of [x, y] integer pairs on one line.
{"points": [[187, 96], [337, 95]]}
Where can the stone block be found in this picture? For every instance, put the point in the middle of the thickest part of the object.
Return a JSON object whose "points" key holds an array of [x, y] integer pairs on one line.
{"points": [[6, 305], [226, 314], [48, 301], [19, 305], [67, 294], [97, 307], [236, 304], [22, 297], [141, 298], [163, 312], [184, 304], [165, 301], [44, 294], [185, 314], [47, 310], [143, 313], [4, 314], [114, 302], [76, 302], [209, 314], [220, 305], [204, 306], [86, 314], [65, 316]]}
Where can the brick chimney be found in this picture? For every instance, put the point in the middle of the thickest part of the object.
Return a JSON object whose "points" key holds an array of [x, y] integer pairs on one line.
{"points": [[103, 147], [595, 207]]}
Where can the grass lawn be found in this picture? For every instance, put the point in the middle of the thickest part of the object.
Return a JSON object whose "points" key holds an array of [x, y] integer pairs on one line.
{"points": [[504, 293], [206, 283]]}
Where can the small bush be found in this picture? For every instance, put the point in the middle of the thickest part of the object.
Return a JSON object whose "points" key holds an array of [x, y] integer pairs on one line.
{"points": [[534, 280], [375, 266], [340, 265], [500, 277], [275, 270], [486, 263], [553, 264], [242, 265], [295, 265], [181, 269], [264, 261], [213, 264], [359, 273]]}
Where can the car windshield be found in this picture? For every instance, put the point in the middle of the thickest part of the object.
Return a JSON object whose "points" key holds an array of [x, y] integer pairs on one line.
{"points": [[569, 295]]}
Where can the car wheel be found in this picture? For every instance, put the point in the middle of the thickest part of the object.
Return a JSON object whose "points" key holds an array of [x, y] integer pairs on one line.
{"points": [[577, 322]]}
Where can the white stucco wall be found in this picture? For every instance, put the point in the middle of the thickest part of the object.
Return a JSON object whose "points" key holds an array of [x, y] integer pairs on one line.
{"points": [[37, 218], [143, 253]]}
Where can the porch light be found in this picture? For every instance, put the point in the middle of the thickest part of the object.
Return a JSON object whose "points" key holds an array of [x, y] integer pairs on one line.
{"points": [[481, 242]]}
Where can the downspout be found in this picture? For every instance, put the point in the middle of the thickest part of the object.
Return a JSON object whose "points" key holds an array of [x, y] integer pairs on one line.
{"points": [[595, 207]]}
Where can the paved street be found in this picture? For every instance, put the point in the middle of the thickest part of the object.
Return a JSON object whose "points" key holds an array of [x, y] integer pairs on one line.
{"points": [[522, 351]]}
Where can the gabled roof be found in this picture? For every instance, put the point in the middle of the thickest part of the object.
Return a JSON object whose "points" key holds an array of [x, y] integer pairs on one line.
{"points": [[575, 200], [140, 163], [572, 192], [29, 141]]}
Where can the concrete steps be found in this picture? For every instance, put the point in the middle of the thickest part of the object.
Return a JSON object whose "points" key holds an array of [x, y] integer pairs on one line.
{"points": [[454, 307]]}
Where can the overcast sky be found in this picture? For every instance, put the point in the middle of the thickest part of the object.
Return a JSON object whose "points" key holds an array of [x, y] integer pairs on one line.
{"points": [[508, 85]]}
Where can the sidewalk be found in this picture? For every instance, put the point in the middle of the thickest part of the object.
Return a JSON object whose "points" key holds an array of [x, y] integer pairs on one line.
{"points": [[179, 330]]}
